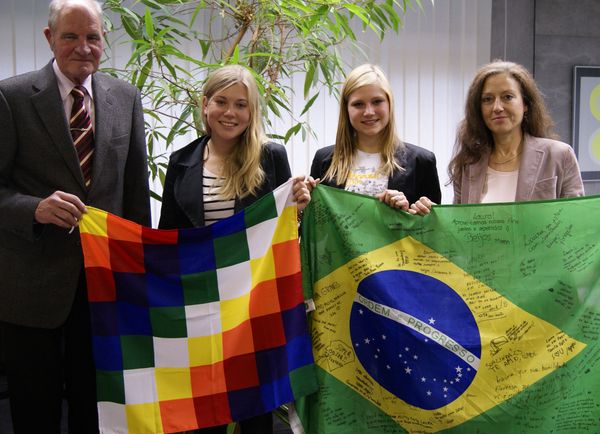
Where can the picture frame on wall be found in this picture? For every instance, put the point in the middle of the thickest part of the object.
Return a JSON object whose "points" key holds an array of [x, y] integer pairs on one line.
{"points": [[586, 120]]}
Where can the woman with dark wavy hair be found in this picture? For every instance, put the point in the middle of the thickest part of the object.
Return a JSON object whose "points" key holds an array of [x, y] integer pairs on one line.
{"points": [[506, 149]]}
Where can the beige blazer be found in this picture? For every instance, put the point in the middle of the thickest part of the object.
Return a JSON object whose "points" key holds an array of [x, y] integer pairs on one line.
{"points": [[548, 170]]}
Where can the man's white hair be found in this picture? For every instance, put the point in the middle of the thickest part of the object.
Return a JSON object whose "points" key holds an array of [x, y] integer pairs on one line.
{"points": [[57, 6]]}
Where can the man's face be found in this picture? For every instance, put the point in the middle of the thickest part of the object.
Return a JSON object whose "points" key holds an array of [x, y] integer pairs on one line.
{"points": [[76, 42]]}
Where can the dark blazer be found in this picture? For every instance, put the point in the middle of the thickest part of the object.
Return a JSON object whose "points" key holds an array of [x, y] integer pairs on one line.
{"points": [[419, 177], [40, 264], [182, 202], [548, 170]]}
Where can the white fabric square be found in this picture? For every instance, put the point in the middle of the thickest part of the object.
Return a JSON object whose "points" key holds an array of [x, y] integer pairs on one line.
{"points": [[112, 418], [234, 281], [140, 386], [203, 319], [283, 196], [171, 353], [260, 237]]}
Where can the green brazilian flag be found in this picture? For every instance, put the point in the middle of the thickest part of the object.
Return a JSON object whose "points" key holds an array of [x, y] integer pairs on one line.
{"points": [[473, 319]]}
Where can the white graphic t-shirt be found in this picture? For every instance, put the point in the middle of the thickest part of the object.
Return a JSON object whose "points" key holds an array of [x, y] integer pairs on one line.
{"points": [[365, 177]]}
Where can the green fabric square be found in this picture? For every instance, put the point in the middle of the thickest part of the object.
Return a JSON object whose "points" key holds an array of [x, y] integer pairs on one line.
{"points": [[168, 322], [138, 352], [260, 211], [110, 387], [231, 249], [200, 288], [303, 380]]}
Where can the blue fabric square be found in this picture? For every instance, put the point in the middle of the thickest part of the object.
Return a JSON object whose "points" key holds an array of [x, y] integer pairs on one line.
{"points": [[131, 288], [196, 253], [294, 322], [161, 258], [104, 318], [134, 320], [272, 364], [299, 352], [165, 290], [228, 226], [277, 393], [245, 403], [107, 353]]}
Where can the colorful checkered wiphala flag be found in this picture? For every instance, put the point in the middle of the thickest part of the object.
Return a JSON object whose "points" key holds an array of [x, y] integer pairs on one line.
{"points": [[197, 327]]}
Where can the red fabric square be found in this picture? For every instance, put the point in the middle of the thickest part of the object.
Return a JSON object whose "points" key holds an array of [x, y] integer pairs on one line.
{"points": [[240, 372], [159, 236], [268, 331], [100, 284], [290, 291], [126, 256], [212, 410]]}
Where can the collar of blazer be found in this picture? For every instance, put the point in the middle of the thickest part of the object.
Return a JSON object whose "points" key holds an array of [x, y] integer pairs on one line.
{"points": [[531, 159]]}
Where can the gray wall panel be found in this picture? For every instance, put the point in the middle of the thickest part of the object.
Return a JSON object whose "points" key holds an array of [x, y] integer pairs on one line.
{"points": [[564, 33]]}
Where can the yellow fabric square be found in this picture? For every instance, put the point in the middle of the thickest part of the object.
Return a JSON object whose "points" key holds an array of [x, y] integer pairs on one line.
{"points": [[173, 383], [287, 225], [235, 311], [205, 350], [263, 268], [144, 418], [94, 222]]}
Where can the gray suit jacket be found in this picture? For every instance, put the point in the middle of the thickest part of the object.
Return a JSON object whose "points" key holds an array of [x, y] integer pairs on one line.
{"points": [[548, 170], [40, 264]]}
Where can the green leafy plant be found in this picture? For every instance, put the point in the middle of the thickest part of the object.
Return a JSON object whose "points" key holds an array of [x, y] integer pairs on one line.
{"points": [[175, 43]]}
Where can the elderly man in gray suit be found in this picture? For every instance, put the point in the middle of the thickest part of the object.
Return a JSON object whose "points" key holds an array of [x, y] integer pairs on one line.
{"points": [[69, 137]]}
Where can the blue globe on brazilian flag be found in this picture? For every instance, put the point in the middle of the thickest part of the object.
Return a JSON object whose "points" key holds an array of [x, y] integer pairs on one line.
{"points": [[473, 319]]}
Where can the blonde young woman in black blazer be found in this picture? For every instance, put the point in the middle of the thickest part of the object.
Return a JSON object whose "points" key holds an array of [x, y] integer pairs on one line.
{"points": [[368, 156], [225, 170]]}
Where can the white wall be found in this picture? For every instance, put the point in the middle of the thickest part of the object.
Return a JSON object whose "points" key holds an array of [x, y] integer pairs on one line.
{"points": [[430, 63]]}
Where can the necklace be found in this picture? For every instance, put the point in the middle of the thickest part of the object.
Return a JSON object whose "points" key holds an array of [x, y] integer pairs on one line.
{"points": [[519, 148], [505, 161]]}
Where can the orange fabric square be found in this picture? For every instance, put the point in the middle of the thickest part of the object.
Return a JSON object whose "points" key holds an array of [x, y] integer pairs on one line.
{"points": [[212, 410], [208, 379], [124, 230], [178, 415], [100, 284], [264, 299], [96, 250], [238, 340], [286, 256]]}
